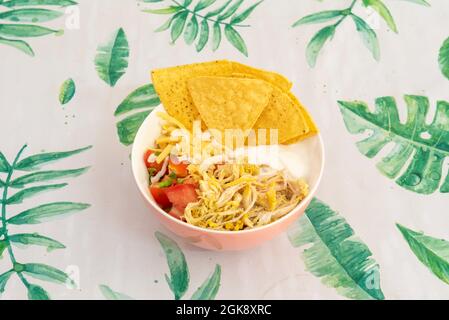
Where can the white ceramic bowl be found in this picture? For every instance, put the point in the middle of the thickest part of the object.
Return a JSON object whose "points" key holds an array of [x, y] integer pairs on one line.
{"points": [[303, 160]]}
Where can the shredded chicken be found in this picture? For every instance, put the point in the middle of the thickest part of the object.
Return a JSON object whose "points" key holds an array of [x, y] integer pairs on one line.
{"points": [[237, 197]]}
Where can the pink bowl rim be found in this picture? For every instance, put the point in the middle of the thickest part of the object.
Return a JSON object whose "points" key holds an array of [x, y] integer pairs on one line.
{"points": [[301, 205]]}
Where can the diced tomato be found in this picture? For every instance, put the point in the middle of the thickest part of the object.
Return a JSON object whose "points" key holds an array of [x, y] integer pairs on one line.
{"points": [[190, 181], [180, 169], [181, 195], [152, 164], [159, 196]]}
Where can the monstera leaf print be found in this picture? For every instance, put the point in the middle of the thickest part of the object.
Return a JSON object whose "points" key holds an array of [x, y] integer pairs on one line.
{"points": [[443, 58], [20, 19], [337, 16], [333, 253], [197, 22], [419, 147], [26, 186]]}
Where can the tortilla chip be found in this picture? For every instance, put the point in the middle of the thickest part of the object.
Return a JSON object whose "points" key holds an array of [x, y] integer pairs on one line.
{"points": [[229, 103], [282, 114], [271, 77], [171, 86], [285, 113], [313, 129]]}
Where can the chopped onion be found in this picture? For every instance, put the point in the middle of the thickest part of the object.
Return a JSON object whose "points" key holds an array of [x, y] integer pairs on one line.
{"points": [[161, 172], [152, 158]]}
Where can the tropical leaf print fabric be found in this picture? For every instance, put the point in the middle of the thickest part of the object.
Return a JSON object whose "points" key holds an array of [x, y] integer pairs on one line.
{"points": [[75, 87]]}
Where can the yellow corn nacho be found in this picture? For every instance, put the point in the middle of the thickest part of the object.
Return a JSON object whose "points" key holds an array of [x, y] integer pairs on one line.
{"points": [[283, 111], [171, 86], [229, 103]]}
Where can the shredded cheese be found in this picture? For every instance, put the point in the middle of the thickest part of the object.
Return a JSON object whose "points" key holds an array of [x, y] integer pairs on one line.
{"points": [[239, 181], [165, 139], [161, 157], [167, 118]]}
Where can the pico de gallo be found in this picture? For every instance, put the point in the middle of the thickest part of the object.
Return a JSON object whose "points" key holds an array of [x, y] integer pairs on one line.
{"points": [[170, 184]]}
